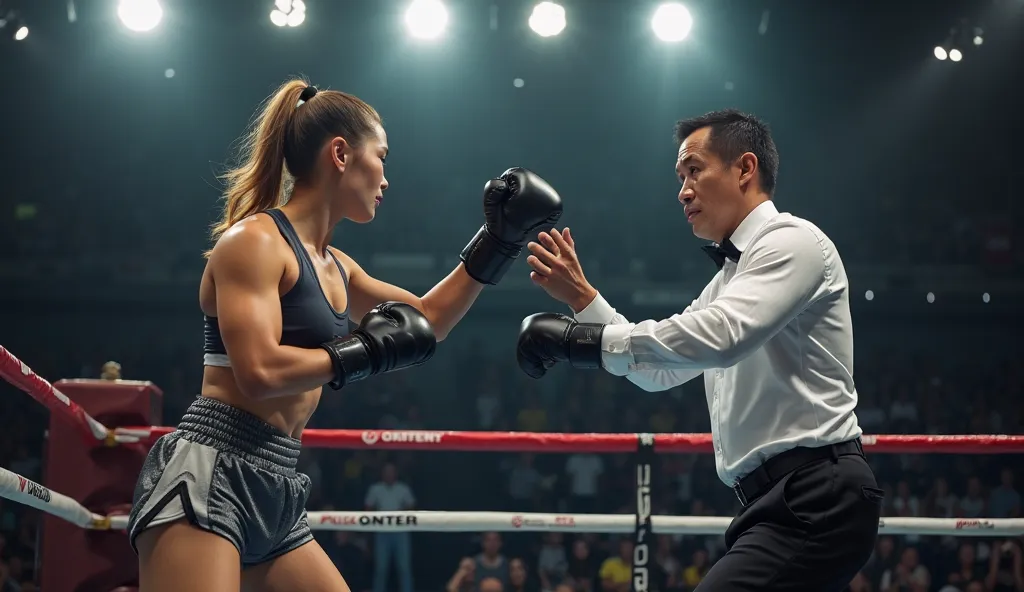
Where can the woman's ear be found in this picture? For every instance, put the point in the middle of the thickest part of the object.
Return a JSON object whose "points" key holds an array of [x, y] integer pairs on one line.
{"points": [[340, 153]]}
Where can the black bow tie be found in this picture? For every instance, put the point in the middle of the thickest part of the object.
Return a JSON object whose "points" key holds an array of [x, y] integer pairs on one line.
{"points": [[719, 253]]}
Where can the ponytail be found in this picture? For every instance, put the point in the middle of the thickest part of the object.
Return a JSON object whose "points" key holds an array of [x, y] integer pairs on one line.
{"points": [[255, 185]]}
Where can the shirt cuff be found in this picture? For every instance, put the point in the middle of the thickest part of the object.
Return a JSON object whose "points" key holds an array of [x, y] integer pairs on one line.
{"points": [[616, 356], [598, 312]]}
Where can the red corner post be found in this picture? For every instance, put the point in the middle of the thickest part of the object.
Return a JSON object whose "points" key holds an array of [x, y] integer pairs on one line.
{"points": [[101, 478]]}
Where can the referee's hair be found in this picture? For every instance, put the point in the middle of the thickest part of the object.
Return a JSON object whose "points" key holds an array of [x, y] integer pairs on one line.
{"points": [[734, 133]]}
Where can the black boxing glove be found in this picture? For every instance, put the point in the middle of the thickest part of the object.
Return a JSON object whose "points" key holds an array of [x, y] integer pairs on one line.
{"points": [[392, 336], [548, 338], [516, 204]]}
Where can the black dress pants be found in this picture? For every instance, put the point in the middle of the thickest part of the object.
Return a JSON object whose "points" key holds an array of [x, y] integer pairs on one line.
{"points": [[811, 531]]}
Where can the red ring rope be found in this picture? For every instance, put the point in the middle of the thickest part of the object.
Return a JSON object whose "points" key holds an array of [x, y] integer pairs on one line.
{"points": [[17, 373], [612, 443]]}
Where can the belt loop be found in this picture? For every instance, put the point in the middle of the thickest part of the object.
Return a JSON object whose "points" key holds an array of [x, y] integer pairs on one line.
{"points": [[833, 448]]}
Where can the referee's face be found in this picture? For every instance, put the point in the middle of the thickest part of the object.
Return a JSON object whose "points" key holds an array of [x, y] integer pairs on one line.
{"points": [[709, 193]]}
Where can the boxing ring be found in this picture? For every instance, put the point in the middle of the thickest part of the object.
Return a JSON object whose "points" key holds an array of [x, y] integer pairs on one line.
{"points": [[98, 438]]}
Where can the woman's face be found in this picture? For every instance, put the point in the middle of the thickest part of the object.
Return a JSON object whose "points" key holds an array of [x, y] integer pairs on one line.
{"points": [[517, 572], [361, 182]]}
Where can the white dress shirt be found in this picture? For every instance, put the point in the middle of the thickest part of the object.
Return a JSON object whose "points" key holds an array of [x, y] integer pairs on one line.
{"points": [[772, 335]]}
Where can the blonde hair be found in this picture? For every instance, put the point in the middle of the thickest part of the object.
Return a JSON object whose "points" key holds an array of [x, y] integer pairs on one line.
{"points": [[288, 134]]}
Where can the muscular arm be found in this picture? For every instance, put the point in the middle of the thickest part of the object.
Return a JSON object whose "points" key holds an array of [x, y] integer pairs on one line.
{"points": [[444, 305], [249, 313]]}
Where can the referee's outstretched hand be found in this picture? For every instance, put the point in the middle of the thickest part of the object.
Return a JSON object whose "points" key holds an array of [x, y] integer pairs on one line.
{"points": [[557, 269]]}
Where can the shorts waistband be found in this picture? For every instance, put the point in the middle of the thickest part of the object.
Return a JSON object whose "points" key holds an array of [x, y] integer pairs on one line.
{"points": [[216, 424]]}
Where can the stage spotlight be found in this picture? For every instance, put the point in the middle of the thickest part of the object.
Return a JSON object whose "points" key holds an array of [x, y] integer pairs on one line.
{"points": [[21, 33], [955, 55], [140, 15], [547, 19], [426, 19], [672, 22], [290, 13], [940, 52], [979, 36]]}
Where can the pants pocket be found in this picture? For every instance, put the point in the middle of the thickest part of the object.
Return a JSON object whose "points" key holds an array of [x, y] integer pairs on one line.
{"points": [[789, 501], [873, 495]]}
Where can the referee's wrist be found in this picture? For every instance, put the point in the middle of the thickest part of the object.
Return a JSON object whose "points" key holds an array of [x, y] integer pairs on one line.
{"points": [[587, 295]]}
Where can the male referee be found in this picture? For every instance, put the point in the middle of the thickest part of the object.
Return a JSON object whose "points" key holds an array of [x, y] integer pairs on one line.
{"points": [[772, 335]]}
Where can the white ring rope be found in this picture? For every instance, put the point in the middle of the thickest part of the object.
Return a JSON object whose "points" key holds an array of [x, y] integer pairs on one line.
{"points": [[427, 521], [15, 487], [20, 489]]}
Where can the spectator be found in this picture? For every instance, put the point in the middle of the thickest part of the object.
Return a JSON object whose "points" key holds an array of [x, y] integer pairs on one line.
{"points": [[1005, 572], [1004, 501], [524, 483], [881, 561], [972, 505], [490, 563], [552, 565], [908, 575], [903, 411], [464, 578], [941, 503], [616, 572], [391, 495], [870, 414], [491, 585], [699, 565], [518, 577], [670, 568], [582, 567], [906, 505], [564, 588], [967, 570], [584, 471]]}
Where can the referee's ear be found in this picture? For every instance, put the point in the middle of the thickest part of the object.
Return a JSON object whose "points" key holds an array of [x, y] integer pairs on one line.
{"points": [[749, 167]]}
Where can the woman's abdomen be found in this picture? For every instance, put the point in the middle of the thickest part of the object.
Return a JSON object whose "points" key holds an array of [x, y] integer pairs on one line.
{"points": [[289, 414]]}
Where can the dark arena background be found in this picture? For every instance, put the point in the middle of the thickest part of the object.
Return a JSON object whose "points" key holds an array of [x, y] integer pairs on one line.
{"points": [[899, 127]]}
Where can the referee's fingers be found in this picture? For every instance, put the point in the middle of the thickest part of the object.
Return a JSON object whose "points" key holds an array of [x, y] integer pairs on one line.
{"points": [[563, 247], [549, 243], [543, 253], [537, 266]]}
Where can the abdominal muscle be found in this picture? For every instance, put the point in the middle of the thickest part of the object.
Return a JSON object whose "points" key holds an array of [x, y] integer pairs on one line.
{"points": [[290, 414]]}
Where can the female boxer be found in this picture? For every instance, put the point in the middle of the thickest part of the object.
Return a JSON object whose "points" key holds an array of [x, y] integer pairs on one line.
{"points": [[219, 504]]}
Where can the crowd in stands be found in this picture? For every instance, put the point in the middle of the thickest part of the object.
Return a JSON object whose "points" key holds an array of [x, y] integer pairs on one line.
{"points": [[898, 395]]}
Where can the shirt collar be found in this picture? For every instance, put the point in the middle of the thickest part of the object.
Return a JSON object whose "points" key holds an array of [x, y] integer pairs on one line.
{"points": [[745, 232]]}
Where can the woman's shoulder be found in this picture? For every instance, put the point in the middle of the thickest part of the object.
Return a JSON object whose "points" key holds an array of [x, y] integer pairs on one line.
{"points": [[249, 239]]}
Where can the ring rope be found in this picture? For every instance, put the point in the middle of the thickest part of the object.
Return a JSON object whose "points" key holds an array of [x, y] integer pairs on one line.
{"points": [[603, 443], [20, 375], [434, 521], [26, 491]]}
